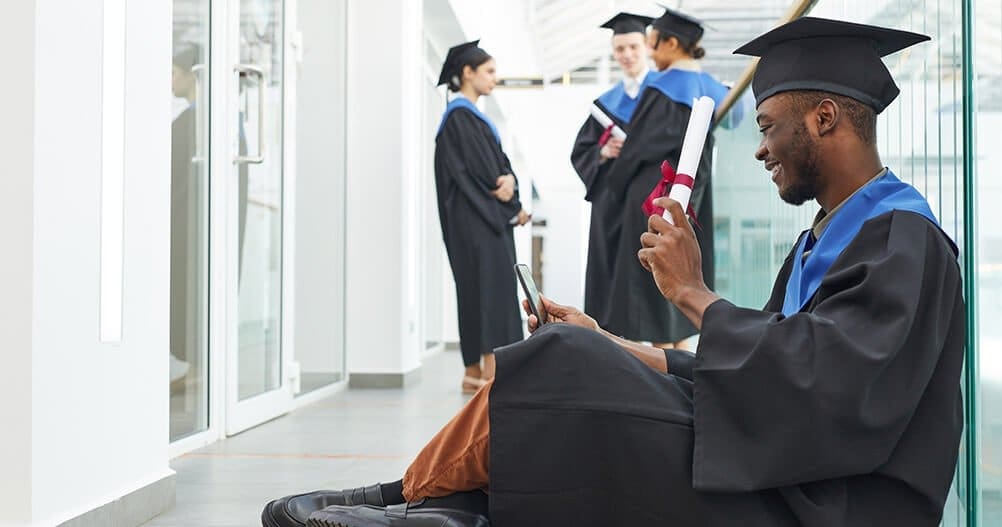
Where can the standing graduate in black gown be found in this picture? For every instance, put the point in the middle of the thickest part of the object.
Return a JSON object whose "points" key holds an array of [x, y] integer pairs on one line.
{"points": [[595, 150], [636, 310], [478, 206]]}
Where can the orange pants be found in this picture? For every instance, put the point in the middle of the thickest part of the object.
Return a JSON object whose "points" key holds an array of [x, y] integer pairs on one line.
{"points": [[455, 460]]}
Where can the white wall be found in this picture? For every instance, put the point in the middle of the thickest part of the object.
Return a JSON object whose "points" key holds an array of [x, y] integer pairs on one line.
{"points": [[383, 164], [16, 280], [98, 412]]}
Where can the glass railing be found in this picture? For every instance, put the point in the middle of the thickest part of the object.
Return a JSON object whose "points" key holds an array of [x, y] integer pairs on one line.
{"points": [[986, 81]]}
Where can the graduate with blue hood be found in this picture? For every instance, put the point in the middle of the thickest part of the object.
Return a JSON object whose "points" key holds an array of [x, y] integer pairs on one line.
{"points": [[595, 149], [478, 207], [635, 308]]}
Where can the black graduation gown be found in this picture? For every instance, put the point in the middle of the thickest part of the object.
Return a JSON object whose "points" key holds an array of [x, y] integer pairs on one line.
{"points": [[636, 309], [477, 233], [603, 235], [847, 413]]}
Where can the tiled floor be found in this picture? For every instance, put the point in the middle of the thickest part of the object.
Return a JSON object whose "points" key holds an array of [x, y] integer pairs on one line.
{"points": [[353, 438]]}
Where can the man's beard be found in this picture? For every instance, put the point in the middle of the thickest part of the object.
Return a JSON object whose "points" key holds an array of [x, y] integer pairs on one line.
{"points": [[804, 187]]}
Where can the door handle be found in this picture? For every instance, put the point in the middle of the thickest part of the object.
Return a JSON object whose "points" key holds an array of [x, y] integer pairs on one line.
{"points": [[198, 70], [252, 69]]}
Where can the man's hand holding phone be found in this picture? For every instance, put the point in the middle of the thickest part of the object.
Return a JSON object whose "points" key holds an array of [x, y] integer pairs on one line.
{"points": [[542, 310], [559, 313]]}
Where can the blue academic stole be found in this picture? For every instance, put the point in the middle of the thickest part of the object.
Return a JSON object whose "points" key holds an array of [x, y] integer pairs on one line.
{"points": [[617, 102], [682, 86], [463, 102], [885, 194]]}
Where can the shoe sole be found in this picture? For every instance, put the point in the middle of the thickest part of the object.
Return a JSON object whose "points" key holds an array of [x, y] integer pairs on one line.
{"points": [[324, 523], [266, 519]]}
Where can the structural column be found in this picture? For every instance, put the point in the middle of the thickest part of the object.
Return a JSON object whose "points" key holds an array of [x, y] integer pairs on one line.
{"points": [[383, 165]]}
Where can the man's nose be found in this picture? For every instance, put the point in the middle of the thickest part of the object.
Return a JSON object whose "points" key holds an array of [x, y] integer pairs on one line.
{"points": [[762, 151]]}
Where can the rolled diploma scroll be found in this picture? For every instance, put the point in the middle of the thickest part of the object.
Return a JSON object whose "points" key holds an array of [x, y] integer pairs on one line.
{"points": [[692, 151], [606, 122]]}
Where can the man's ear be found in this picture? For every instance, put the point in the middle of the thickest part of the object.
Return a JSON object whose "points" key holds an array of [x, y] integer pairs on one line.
{"points": [[827, 115]]}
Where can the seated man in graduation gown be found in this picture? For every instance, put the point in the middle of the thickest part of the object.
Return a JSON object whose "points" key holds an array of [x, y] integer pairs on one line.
{"points": [[837, 404], [595, 149]]}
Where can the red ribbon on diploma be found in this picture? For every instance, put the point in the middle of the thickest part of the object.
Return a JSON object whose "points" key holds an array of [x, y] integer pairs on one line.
{"points": [[668, 178], [606, 135]]}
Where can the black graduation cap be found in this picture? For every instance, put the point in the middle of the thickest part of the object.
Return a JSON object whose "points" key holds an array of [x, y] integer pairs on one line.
{"points": [[628, 23], [454, 59], [828, 55], [685, 28]]}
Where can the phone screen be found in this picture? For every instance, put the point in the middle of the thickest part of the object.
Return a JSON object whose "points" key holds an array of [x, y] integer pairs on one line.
{"points": [[531, 293]]}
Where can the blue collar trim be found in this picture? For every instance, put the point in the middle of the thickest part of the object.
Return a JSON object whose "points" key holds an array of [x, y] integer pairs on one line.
{"points": [[878, 197], [621, 105], [683, 86], [463, 102]]}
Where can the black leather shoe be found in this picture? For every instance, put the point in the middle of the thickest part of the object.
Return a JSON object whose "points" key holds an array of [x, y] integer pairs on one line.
{"points": [[292, 511], [404, 515]]}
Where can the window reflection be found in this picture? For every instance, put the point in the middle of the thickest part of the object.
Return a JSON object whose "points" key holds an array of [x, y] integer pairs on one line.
{"points": [[260, 207], [189, 220]]}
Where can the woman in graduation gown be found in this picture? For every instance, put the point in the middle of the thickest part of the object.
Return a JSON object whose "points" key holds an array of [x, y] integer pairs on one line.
{"points": [[478, 206], [595, 150], [636, 309]]}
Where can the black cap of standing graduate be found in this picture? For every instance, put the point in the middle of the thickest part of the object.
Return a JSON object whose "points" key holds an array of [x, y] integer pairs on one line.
{"points": [[628, 23], [454, 60], [828, 55], [685, 28]]}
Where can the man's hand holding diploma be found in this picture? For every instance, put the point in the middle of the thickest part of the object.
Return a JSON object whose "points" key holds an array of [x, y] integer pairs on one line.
{"points": [[671, 253]]}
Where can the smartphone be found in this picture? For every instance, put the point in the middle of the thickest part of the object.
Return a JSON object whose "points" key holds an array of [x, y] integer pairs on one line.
{"points": [[531, 293]]}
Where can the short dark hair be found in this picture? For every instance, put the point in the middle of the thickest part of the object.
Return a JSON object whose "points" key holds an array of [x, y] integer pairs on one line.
{"points": [[862, 117], [474, 58]]}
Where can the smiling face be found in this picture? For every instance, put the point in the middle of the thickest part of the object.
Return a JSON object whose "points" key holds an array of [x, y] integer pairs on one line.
{"points": [[788, 149], [483, 79], [630, 51]]}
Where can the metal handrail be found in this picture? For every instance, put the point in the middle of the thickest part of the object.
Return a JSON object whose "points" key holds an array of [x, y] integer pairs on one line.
{"points": [[797, 10]]}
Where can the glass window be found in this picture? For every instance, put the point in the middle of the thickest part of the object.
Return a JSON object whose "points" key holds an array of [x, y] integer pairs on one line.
{"points": [[988, 93], [189, 390], [260, 209]]}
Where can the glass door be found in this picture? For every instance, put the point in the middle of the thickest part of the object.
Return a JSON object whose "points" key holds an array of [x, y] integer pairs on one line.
{"points": [[189, 210], [256, 387]]}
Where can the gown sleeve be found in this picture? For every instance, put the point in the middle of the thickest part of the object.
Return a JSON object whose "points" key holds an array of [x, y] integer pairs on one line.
{"points": [[829, 391], [514, 205], [586, 158]]}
